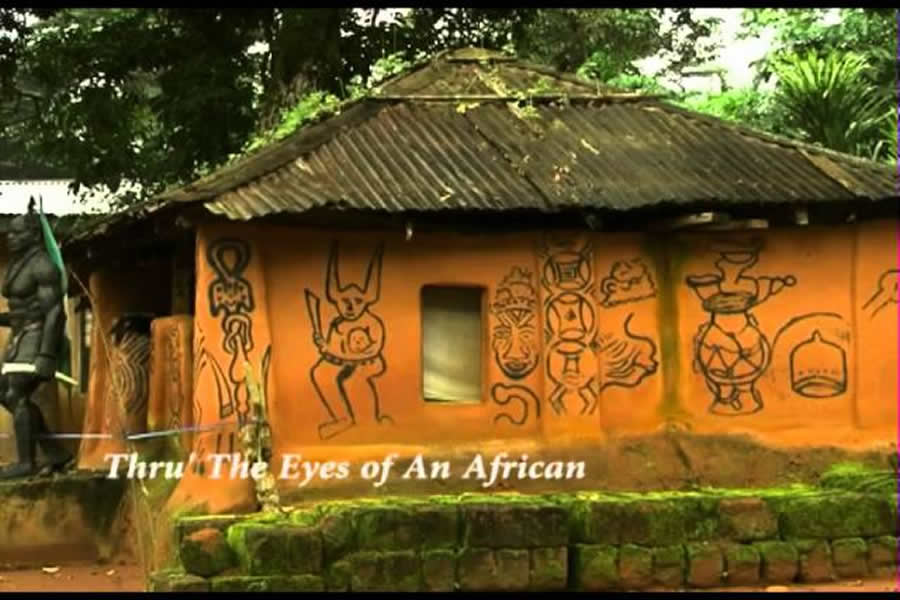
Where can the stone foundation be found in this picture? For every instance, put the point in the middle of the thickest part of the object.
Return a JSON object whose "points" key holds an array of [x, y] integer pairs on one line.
{"points": [[77, 516], [580, 541]]}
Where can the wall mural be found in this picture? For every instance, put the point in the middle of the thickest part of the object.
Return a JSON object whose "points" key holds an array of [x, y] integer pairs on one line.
{"points": [[231, 298], [173, 355], [515, 342], [569, 324], [817, 345], [224, 396], [503, 394], [885, 294], [628, 281], [130, 368], [352, 348], [730, 350], [625, 358], [515, 337]]}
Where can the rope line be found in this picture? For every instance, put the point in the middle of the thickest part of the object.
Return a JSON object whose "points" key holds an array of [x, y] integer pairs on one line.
{"points": [[147, 435]]}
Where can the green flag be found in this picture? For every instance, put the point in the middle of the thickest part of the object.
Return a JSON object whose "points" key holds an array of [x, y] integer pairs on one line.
{"points": [[65, 352], [53, 248]]}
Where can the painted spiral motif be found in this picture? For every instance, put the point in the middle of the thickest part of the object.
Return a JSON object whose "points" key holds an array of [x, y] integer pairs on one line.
{"points": [[130, 372]]}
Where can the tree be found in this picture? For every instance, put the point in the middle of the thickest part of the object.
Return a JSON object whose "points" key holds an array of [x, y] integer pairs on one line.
{"points": [[868, 32], [836, 77], [159, 96]]}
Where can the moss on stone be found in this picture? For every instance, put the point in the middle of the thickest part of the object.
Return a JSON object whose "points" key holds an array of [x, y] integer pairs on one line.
{"points": [[385, 571], [439, 570], [669, 565], [780, 561], [663, 520], [883, 551], [205, 553], [856, 476], [595, 567], [240, 583], [747, 519], [815, 560], [296, 583], [834, 514], [650, 521], [742, 564], [635, 566], [337, 576], [406, 526], [493, 525], [705, 564], [549, 569], [176, 580], [850, 557], [338, 533]]}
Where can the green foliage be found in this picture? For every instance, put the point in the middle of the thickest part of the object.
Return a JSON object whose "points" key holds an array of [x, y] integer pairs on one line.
{"points": [[829, 100], [160, 96], [308, 109], [603, 43], [638, 83], [870, 32], [823, 62], [746, 106]]}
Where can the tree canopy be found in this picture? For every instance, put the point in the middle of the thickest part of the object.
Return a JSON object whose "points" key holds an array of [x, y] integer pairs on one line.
{"points": [[159, 96]]}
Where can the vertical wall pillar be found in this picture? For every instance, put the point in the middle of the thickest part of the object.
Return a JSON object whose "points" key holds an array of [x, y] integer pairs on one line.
{"points": [[231, 332], [571, 390]]}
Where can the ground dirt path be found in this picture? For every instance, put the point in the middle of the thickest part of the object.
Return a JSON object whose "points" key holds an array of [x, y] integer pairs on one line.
{"points": [[116, 577], [78, 577], [866, 585]]}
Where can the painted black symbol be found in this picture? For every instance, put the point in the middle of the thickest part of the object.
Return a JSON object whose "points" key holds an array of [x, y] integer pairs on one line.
{"points": [[352, 348], [504, 394], [628, 281], [231, 298], [515, 335], [569, 323], [625, 358], [817, 359], [730, 350], [886, 293]]}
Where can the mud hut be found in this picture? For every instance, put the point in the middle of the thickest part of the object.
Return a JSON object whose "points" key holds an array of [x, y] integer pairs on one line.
{"points": [[485, 255]]}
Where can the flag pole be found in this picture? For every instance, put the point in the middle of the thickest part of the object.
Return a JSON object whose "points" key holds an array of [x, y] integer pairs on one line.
{"points": [[56, 258]]}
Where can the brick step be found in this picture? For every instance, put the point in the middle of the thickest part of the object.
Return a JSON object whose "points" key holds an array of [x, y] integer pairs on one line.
{"points": [[584, 541]]}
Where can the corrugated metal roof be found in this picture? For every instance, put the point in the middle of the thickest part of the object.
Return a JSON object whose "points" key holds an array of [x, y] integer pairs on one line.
{"points": [[455, 135], [605, 155]]}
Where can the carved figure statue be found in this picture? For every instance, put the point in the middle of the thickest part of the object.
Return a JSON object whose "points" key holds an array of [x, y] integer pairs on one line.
{"points": [[34, 289]]}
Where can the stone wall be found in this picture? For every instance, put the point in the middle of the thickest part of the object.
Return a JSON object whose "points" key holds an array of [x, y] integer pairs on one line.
{"points": [[77, 516], [584, 541]]}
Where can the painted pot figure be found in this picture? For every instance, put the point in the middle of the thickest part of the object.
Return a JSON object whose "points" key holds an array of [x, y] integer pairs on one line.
{"points": [[730, 350]]}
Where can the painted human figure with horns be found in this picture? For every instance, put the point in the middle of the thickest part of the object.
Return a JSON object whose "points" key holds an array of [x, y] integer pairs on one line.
{"points": [[351, 350], [34, 286]]}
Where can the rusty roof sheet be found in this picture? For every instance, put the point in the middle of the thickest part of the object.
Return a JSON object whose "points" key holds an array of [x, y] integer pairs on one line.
{"points": [[604, 155], [455, 134]]}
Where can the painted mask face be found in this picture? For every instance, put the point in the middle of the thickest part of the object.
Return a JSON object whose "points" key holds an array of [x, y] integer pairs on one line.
{"points": [[351, 302], [515, 336]]}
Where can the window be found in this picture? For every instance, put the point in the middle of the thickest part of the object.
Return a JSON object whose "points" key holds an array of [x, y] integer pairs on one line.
{"points": [[452, 344]]}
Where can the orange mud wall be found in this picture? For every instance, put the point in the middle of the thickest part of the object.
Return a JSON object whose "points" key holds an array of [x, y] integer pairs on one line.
{"points": [[787, 335], [119, 387]]}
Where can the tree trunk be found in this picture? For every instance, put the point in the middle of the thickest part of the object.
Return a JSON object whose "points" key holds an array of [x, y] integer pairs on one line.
{"points": [[305, 57]]}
